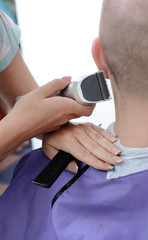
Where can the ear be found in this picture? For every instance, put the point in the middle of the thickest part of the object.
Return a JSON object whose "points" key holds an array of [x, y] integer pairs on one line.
{"points": [[98, 56]]}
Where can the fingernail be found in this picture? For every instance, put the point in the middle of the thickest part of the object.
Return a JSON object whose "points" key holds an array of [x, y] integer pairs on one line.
{"points": [[118, 153], [108, 166], [117, 159], [67, 79], [111, 167], [114, 140]]}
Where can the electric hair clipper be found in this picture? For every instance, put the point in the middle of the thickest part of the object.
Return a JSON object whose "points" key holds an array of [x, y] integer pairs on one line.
{"points": [[87, 89]]}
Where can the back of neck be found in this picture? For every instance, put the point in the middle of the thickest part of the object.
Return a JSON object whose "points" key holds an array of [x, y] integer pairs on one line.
{"points": [[131, 125]]}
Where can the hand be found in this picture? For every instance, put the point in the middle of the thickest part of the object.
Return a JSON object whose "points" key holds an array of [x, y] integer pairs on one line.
{"points": [[90, 144], [37, 112]]}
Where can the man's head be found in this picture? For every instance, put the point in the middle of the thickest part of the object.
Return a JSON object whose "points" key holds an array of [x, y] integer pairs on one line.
{"points": [[124, 43]]}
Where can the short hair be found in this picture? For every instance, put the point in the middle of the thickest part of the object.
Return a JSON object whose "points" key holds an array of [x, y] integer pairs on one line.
{"points": [[124, 42]]}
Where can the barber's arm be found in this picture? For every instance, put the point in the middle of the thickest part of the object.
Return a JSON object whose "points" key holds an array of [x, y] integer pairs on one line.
{"points": [[36, 112], [87, 142], [16, 80]]}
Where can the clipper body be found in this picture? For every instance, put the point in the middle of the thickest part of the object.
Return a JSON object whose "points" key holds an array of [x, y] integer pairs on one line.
{"points": [[88, 89]]}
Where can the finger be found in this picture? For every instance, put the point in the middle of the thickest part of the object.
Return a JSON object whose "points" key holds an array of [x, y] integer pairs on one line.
{"points": [[19, 149], [82, 110], [105, 133], [68, 107], [72, 167], [101, 140], [78, 110], [76, 149], [49, 151], [84, 155], [26, 143], [101, 153], [54, 86], [98, 151]]}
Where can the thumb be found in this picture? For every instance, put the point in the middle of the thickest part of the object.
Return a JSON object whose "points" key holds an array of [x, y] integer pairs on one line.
{"points": [[54, 86]]}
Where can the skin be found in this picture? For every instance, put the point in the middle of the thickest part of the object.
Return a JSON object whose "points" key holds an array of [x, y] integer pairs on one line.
{"points": [[87, 142], [4, 110], [36, 112]]}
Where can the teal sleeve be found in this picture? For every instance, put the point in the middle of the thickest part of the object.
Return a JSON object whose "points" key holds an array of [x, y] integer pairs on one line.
{"points": [[9, 40]]}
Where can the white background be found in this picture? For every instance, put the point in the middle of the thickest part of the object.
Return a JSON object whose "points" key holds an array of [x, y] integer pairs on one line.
{"points": [[56, 40]]}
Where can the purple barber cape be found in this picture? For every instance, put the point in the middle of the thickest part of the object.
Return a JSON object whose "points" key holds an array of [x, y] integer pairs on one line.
{"points": [[92, 208]]}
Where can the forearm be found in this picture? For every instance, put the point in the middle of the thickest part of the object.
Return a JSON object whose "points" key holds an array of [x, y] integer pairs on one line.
{"points": [[16, 80], [11, 135]]}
